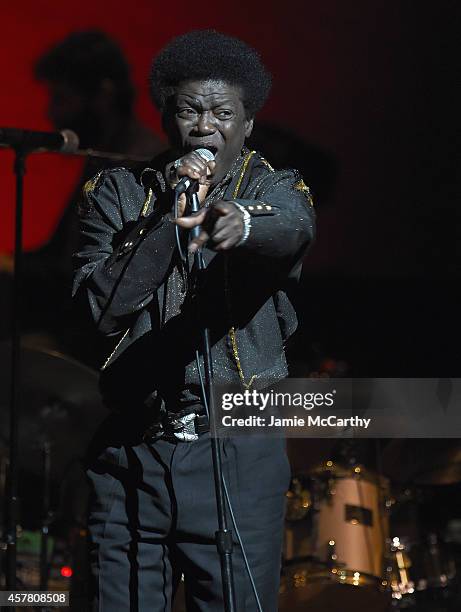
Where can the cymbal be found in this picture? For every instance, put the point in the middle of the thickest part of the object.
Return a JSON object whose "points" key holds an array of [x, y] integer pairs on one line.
{"points": [[59, 405], [447, 475], [445, 470]]}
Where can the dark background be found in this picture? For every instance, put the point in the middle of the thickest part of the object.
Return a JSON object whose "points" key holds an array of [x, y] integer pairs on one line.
{"points": [[371, 83]]}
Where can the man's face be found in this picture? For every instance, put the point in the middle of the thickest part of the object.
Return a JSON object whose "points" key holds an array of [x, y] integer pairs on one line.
{"points": [[210, 115]]}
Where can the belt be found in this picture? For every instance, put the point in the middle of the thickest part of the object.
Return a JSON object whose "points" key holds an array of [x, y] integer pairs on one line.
{"points": [[184, 428]]}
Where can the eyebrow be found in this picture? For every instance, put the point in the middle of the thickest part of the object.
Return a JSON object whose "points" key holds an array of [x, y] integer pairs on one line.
{"points": [[198, 102]]}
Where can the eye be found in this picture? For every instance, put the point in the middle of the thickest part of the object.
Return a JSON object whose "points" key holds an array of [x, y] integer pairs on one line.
{"points": [[186, 113], [224, 114]]}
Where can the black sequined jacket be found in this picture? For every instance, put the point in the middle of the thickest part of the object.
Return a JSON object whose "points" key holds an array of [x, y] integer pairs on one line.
{"points": [[128, 254]]}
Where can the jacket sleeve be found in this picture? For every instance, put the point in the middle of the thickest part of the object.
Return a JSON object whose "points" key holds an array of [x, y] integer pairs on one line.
{"points": [[282, 220], [120, 263]]}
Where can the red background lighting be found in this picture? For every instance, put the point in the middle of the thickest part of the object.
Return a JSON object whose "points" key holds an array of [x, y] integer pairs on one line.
{"points": [[363, 80]]}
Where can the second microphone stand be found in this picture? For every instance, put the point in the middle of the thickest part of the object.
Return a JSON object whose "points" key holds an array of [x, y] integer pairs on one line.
{"points": [[224, 534], [11, 510]]}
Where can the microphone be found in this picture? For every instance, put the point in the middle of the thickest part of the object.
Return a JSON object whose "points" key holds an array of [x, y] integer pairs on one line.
{"points": [[186, 182], [65, 141]]}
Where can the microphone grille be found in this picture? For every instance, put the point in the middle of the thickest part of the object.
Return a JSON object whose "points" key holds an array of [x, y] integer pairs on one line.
{"points": [[206, 154], [71, 141]]}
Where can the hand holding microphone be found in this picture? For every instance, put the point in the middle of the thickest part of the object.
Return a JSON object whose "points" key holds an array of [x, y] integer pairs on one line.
{"points": [[197, 166], [221, 225]]}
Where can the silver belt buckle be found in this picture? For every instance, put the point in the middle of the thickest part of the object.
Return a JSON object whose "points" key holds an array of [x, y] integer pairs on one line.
{"points": [[184, 428]]}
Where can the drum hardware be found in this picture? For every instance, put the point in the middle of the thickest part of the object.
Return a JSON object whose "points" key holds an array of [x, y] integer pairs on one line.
{"points": [[439, 567], [418, 574], [47, 515], [398, 570], [60, 402], [298, 501], [332, 556]]}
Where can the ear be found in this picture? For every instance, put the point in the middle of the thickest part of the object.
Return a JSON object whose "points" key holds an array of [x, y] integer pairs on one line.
{"points": [[248, 127]]}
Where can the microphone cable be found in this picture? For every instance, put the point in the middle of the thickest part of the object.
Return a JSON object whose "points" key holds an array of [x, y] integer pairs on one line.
{"points": [[184, 260], [178, 237]]}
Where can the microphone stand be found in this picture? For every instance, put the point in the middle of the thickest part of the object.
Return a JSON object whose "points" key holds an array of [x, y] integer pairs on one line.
{"points": [[11, 510], [224, 534]]}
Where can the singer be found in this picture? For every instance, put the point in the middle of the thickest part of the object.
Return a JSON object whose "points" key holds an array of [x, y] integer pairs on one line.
{"points": [[153, 509]]}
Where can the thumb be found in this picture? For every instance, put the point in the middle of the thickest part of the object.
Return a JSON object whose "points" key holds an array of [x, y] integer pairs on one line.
{"points": [[202, 192]]}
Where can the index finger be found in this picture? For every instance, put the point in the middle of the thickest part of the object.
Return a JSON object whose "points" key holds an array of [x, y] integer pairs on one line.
{"points": [[192, 220]]}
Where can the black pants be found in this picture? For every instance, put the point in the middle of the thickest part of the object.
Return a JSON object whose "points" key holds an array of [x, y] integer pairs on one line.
{"points": [[153, 518]]}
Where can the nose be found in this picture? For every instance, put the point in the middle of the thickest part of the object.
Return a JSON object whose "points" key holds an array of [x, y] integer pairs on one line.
{"points": [[205, 124]]}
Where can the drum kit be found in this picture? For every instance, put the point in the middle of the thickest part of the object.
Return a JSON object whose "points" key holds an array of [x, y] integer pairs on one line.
{"points": [[354, 536], [60, 408], [355, 540]]}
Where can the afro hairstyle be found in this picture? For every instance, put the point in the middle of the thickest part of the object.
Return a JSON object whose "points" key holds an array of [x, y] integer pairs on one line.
{"points": [[204, 55]]}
